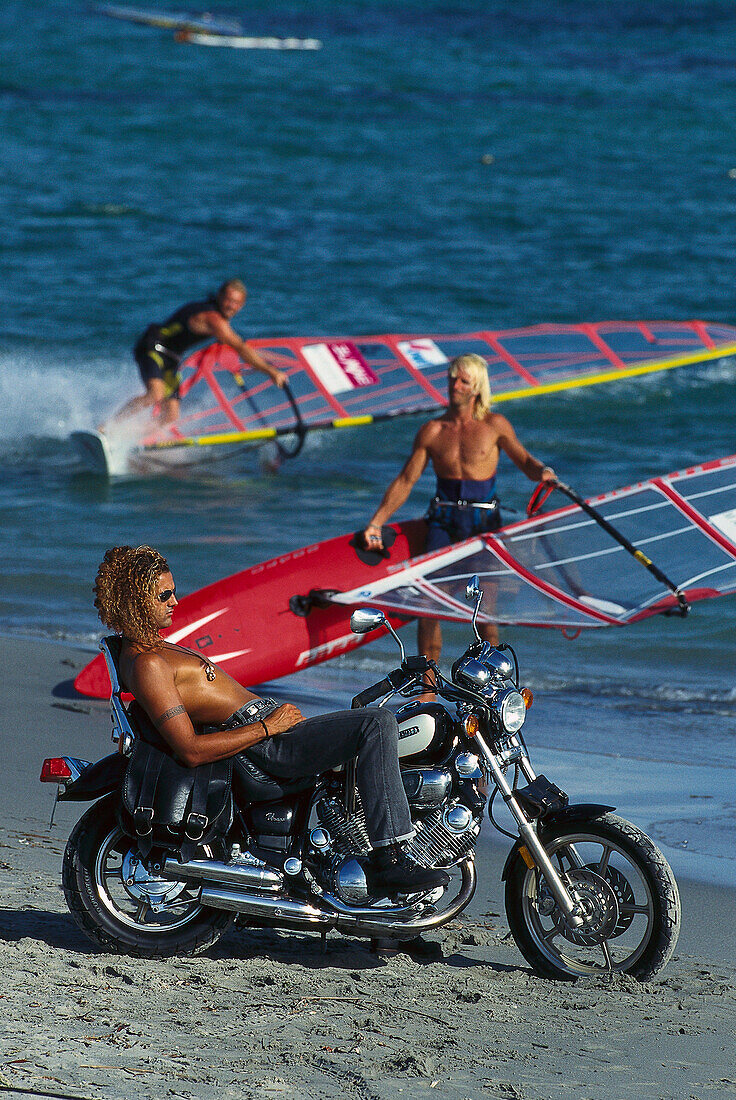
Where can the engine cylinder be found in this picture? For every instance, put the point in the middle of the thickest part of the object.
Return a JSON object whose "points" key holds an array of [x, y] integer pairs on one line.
{"points": [[348, 831], [444, 836]]}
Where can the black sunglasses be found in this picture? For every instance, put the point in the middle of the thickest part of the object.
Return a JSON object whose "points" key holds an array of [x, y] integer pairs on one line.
{"points": [[165, 596]]}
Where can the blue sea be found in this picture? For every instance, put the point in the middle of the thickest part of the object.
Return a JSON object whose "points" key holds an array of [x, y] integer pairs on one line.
{"points": [[438, 167]]}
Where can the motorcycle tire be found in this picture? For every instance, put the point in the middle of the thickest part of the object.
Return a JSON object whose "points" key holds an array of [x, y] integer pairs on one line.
{"points": [[121, 905], [628, 890]]}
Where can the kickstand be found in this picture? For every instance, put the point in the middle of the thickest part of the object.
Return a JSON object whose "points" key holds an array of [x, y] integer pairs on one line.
{"points": [[323, 942], [53, 809]]}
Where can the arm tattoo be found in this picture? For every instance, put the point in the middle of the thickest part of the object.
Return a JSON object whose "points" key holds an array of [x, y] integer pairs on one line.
{"points": [[170, 714]]}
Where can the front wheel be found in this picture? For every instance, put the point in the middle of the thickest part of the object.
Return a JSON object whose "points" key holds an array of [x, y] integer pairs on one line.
{"points": [[625, 888], [121, 904]]}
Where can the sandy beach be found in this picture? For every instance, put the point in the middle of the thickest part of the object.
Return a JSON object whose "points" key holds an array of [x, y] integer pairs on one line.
{"points": [[269, 1015]]}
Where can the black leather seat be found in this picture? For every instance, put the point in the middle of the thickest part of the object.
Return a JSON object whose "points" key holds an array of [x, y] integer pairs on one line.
{"points": [[251, 784]]}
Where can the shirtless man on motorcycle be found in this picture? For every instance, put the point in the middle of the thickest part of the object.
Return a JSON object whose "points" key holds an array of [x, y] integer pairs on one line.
{"points": [[464, 446], [204, 715]]}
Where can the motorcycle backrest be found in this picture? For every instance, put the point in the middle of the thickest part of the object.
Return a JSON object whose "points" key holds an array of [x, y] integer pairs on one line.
{"points": [[121, 726]]}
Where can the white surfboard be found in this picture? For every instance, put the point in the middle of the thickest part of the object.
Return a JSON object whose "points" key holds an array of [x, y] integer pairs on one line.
{"points": [[98, 455], [243, 42]]}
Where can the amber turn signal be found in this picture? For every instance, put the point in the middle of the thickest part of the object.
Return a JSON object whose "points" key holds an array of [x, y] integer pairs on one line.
{"points": [[527, 697], [470, 725]]}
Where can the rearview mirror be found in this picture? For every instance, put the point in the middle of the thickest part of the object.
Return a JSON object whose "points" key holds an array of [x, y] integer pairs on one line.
{"points": [[365, 619], [473, 592]]}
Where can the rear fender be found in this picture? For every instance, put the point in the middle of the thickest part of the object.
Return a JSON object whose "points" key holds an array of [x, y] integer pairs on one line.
{"points": [[96, 780], [582, 811]]}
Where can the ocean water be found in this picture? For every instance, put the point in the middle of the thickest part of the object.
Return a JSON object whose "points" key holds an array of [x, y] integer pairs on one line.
{"points": [[437, 166]]}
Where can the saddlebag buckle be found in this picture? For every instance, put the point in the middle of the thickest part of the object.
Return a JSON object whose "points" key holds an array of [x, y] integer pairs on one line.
{"points": [[143, 820], [541, 798], [195, 826]]}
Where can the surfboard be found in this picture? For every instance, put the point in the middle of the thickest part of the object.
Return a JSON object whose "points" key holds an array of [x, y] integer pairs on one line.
{"points": [[94, 451], [247, 42], [108, 455], [273, 618]]}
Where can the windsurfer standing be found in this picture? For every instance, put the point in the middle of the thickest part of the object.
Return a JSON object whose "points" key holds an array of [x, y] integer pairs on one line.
{"points": [[464, 446], [160, 348]]}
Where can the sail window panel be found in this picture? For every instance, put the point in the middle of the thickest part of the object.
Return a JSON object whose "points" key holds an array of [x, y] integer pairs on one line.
{"points": [[710, 492], [507, 595], [632, 346], [506, 599]]}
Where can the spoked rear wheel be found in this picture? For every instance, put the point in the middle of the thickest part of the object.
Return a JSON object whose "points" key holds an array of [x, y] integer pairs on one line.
{"points": [[122, 904], [627, 892]]}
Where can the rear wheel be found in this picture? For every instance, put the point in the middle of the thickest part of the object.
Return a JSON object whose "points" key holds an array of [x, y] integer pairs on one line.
{"points": [[627, 892], [121, 904]]}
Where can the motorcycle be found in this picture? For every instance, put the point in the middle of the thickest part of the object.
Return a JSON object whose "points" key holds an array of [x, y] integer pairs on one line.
{"points": [[586, 892]]}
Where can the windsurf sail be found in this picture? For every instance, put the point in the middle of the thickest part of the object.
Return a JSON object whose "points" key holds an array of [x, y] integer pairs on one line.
{"points": [[351, 381], [563, 569], [206, 23]]}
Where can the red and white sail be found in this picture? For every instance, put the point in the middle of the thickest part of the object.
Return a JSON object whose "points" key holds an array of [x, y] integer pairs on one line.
{"points": [[349, 381], [562, 569]]}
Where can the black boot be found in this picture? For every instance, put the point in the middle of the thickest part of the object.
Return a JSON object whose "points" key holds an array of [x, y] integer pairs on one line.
{"points": [[391, 871]]}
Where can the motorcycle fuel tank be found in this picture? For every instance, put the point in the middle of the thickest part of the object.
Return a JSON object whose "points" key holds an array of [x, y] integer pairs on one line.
{"points": [[425, 733]]}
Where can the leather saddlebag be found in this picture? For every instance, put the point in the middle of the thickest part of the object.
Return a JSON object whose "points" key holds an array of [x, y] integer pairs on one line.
{"points": [[166, 805]]}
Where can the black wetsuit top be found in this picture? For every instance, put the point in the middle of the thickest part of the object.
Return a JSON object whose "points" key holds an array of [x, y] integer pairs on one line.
{"points": [[174, 334]]}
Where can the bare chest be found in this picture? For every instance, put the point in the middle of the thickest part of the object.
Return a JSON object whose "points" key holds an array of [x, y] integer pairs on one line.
{"points": [[465, 450]]}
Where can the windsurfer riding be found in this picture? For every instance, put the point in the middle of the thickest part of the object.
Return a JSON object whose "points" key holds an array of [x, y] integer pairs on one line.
{"points": [[463, 445], [160, 348]]}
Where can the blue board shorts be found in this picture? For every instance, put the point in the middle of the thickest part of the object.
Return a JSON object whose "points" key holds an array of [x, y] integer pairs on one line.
{"points": [[453, 514]]}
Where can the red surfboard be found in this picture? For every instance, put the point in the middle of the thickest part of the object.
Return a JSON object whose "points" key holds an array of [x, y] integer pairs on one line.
{"points": [[269, 621]]}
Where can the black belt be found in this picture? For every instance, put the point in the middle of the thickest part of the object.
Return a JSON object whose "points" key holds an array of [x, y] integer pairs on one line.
{"points": [[491, 505]]}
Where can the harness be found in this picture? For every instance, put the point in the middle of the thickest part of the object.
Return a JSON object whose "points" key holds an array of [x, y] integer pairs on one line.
{"points": [[463, 516]]}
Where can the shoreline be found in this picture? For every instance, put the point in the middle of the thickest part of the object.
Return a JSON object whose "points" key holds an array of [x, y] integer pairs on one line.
{"points": [[267, 1014]]}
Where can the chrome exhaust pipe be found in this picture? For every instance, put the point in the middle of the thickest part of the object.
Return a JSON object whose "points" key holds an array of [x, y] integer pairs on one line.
{"points": [[245, 875], [278, 911], [371, 923], [285, 913]]}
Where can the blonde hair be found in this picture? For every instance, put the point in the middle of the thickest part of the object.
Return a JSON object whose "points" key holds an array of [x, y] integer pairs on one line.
{"points": [[477, 368], [232, 284], [125, 588]]}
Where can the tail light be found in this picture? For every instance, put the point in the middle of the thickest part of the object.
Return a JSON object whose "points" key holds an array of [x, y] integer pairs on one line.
{"points": [[55, 769]]}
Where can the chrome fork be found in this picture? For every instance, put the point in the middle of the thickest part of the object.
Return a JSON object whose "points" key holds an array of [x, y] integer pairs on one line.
{"points": [[568, 904]]}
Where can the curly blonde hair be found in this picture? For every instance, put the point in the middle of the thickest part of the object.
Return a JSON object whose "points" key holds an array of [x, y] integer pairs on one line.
{"points": [[124, 589], [477, 368]]}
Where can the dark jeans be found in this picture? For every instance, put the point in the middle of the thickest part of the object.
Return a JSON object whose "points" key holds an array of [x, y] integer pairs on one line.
{"points": [[318, 744]]}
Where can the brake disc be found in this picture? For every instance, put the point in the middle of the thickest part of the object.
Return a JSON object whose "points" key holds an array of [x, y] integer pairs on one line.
{"points": [[624, 896], [599, 908]]}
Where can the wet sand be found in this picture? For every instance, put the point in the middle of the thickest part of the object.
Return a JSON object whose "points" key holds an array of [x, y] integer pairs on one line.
{"points": [[268, 1014]]}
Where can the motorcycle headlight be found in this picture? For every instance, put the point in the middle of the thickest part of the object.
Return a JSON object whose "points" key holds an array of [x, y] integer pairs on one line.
{"points": [[511, 710]]}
